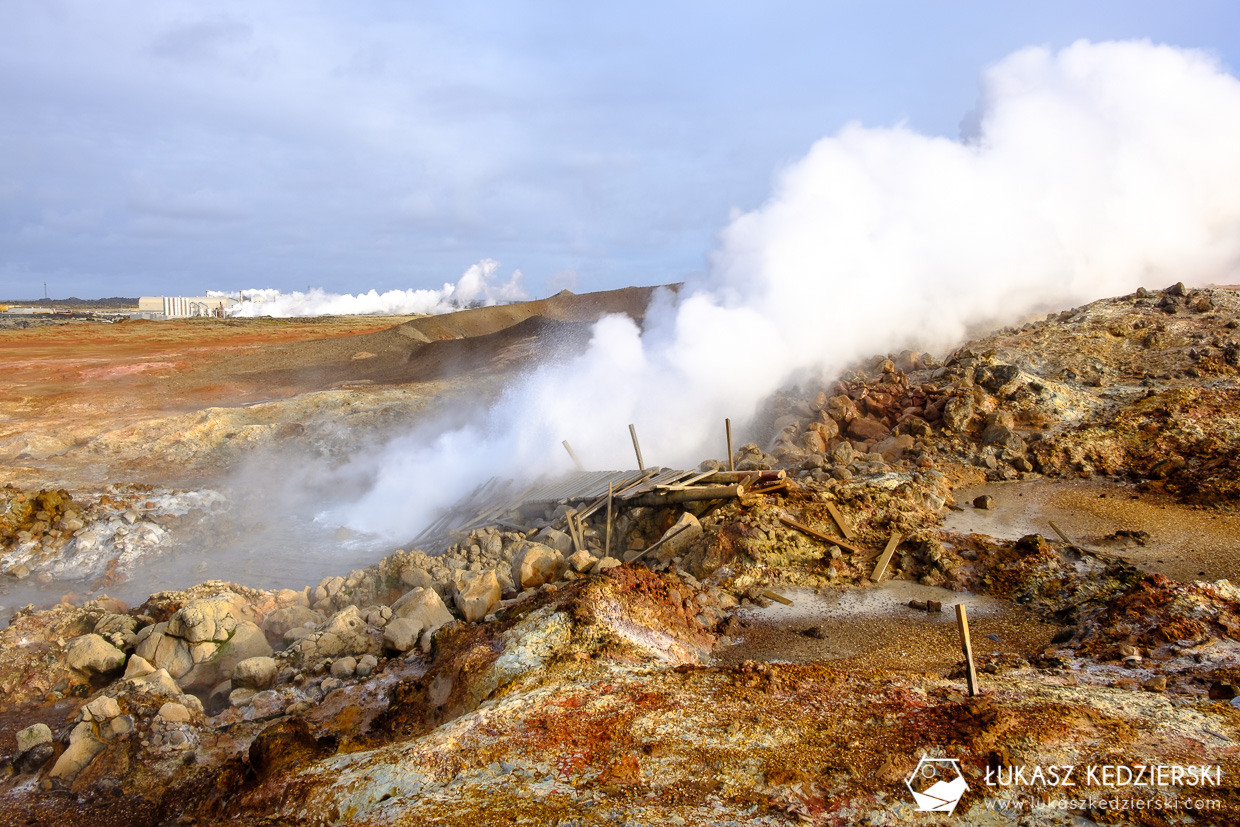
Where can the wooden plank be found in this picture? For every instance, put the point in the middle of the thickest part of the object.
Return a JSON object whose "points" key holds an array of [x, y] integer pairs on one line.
{"points": [[607, 538], [1063, 536], [641, 466], [770, 488], [574, 530], [580, 526], [641, 480], [616, 492], [826, 538], [695, 494], [502, 508], [962, 620], [686, 483], [880, 567], [845, 527], [744, 477], [589, 510], [665, 476], [727, 426], [770, 595], [638, 555], [517, 527], [573, 454]]}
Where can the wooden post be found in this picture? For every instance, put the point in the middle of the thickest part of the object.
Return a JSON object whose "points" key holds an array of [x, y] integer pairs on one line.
{"points": [[881, 566], [607, 536], [573, 532], [572, 454], [845, 527], [826, 538], [746, 477], [727, 425], [641, 466], [1063, 536], [696, 493], [962, 620], [638, 555]]}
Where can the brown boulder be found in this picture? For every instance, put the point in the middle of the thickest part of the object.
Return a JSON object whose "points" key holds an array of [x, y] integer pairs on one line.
{"points": [[677, 539], [893, 447], [1004, 437], [536, 564], [164, 651], [424, 606], [290, 617], [82, 749], [957, 413], [841, 409], [401, 634], [476, 594], [828, 429], [866, 428], [813, 442], [93, 655]]}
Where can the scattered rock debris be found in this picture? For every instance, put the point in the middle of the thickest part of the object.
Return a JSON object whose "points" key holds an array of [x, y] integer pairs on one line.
{"points": [[546, 665]]}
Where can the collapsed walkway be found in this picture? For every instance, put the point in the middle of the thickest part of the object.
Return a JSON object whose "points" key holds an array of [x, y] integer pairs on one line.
{"points": [[579, 495]]}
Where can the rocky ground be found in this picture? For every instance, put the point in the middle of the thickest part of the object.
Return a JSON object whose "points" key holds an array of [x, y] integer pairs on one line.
{"points": [[527, 677]]}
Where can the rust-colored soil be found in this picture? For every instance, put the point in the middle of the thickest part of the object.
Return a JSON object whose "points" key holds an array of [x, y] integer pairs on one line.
{"points": [[1152, 531], [67, 384], [126, 370]]}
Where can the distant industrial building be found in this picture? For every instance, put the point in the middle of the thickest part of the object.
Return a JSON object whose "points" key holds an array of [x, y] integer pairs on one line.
{"points": [[183, 307]]}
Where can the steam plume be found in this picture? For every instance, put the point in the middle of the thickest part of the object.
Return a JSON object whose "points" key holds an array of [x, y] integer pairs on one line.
{"points": [[1089, 172], [477, 285]]}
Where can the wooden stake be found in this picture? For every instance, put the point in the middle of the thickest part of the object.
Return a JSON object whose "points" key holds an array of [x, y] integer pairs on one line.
{"points": [[962, 620], [727, 425], [641, 466], [881, 566], [572, 454], [1062, 536], [575, 528], [607, 537], [845, 527], [656, 544], [572, 533], [826, 538]]}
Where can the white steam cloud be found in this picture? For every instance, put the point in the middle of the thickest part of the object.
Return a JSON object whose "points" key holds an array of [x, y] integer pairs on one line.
{"points": [[477, 286], [1091, 171]]}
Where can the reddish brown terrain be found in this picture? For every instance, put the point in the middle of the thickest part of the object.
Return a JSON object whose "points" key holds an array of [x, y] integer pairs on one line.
{"points": [[726, 659], [88, 390]]}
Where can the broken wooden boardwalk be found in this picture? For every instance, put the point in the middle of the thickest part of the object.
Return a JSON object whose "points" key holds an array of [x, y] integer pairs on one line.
{"points": [[502, 501]]}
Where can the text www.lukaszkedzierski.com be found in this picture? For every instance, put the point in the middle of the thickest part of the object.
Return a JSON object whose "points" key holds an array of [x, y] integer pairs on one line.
{"points": [[1100, 804]]}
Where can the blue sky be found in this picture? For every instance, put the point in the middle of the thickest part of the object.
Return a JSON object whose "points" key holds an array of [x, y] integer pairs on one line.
{"points": [[176, 147]]}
